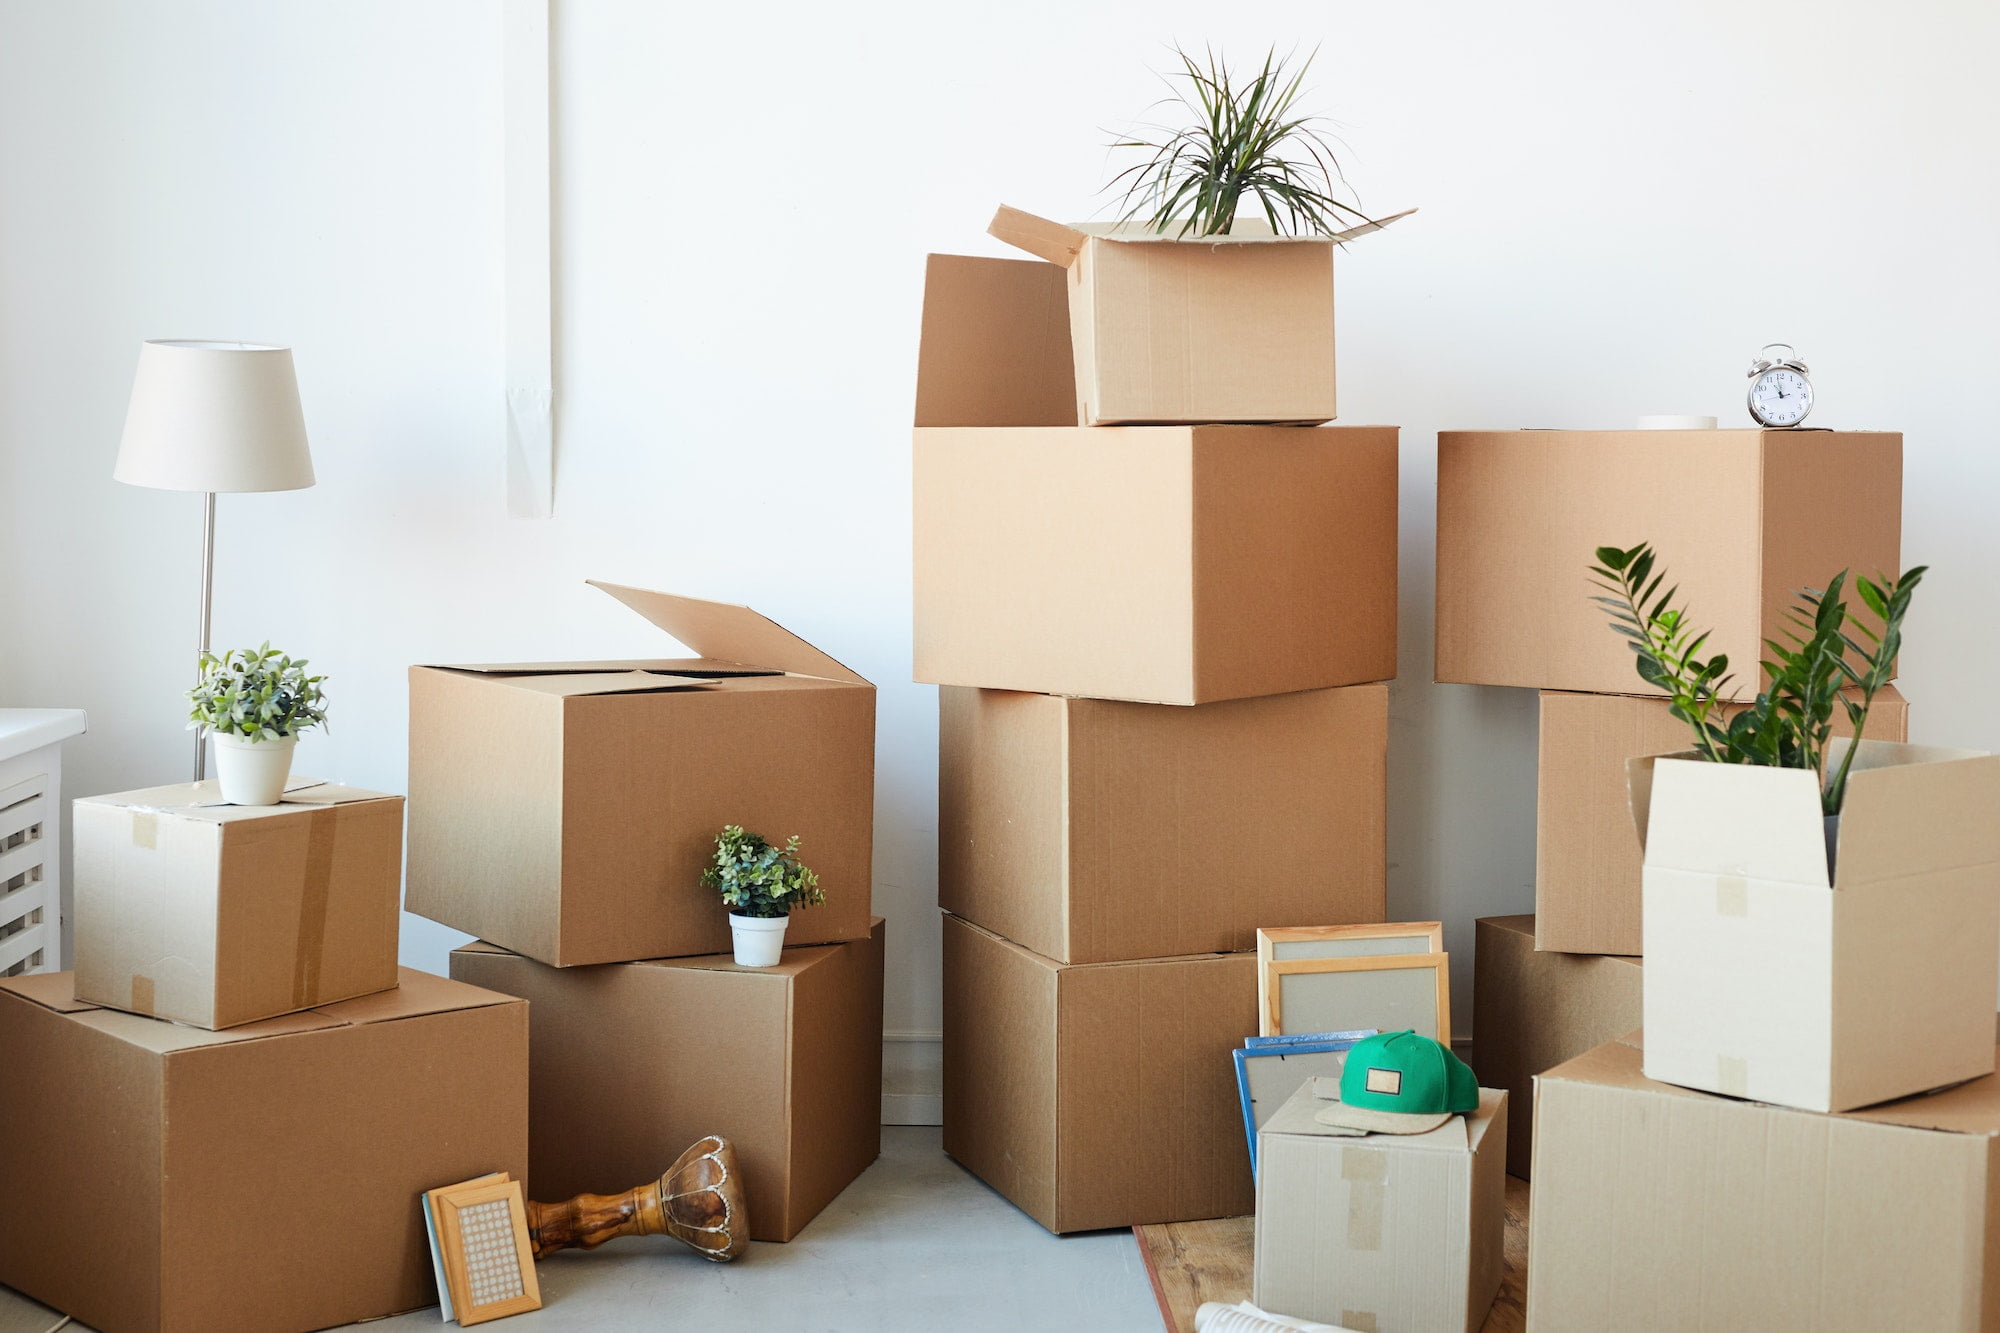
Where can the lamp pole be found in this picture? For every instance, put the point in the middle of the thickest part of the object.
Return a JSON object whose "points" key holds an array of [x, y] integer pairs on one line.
{"points": [[207, 600]]}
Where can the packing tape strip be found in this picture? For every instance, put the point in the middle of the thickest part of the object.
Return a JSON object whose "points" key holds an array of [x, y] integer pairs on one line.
{"points": [[1366, 1171], [315, 898], [1732, 895], [1359, 1321], [145, 829], [1732, 1076], [142, 996]]}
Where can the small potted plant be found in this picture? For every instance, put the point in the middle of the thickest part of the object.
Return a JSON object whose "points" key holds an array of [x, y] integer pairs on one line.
{"points": [[254, 703], [760, 883]]}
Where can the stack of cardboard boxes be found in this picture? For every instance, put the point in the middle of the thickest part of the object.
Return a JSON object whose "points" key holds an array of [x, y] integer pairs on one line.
{"points": [[1161, 642], [1520, 515], [563, 813], [223, 1117]]}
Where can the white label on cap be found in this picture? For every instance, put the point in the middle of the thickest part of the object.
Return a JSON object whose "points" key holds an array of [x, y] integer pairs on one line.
{"points": [[1386, 1081]]}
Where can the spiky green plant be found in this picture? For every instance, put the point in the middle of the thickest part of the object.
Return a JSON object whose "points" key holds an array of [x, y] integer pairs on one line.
{"points": [[1246, 139], [1790, 722]]}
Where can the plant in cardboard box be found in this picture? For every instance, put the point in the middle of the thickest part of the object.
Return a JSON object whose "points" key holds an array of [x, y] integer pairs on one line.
{"points": [[254, 702], [1245, 140], [760, 883], [1790, 723]]}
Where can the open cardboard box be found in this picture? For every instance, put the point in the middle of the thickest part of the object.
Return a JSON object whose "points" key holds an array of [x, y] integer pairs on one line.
{"points": [[1532, 1010], [1767, 977], [1163, 564], [1587, 858], [1100, 1094], [1388, 1231], [1192, 330], [566, 810], [631, 1062], [1657, 1208], [160, 1177], [1521, 513], [1095, 831], [191, 909]]}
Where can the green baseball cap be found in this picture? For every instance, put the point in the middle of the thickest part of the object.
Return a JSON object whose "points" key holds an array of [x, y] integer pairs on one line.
{"points": [[1400, 1083]]}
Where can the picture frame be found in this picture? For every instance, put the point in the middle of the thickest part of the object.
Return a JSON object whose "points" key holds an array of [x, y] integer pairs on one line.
{"points": [[1270, 1070], [1290, 945]]}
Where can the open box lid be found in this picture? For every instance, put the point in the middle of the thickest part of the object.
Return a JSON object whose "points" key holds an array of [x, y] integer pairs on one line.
{"points": [[1909, 809], [722, 632], [1060, 244], [203, 800], [1972, 1107], [1459, 1134], [418, 994]]}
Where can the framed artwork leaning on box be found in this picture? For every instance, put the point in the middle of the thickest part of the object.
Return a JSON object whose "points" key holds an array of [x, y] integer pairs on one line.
{"points": [[1343, 978]]}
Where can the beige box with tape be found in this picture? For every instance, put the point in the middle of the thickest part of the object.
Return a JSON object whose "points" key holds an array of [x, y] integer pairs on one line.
{"points": [[1821, 964], [216, 915], [1383, 1231]]}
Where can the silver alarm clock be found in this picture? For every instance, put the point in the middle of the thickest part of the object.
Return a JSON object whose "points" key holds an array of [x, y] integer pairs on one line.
{"points": [[1780, 393]]}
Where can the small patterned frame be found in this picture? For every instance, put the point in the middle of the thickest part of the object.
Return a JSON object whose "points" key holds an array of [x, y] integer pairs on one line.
{"points": [[483, 1235]]}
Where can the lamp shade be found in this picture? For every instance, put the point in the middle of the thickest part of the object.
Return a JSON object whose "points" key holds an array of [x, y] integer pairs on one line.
{"points": [[214, 416]]}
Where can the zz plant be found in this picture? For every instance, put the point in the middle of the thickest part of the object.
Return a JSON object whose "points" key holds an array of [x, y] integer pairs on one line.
{"points": [[1246, 144], [757, 878], [1827, 650], [258, 693]]}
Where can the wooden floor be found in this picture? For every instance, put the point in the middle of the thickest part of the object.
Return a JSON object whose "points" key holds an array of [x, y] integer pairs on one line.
{"points": [[1192, 1262]]}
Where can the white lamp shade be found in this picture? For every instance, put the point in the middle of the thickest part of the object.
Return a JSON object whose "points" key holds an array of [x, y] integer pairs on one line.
{"points": [[214, 416]]}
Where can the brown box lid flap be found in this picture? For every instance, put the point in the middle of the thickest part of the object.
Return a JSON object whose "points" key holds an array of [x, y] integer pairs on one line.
{"points": [[730, 633], [1060, 244], [203, 800], [573, 682], [50, 990], [416, 994]]}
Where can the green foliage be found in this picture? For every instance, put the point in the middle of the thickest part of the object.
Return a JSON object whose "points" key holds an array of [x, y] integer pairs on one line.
{"points": [[1790, 722], [259, 694], [758, 878], [1245, 140]]}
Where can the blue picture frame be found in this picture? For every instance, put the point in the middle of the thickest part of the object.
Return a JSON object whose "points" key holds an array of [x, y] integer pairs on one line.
{"points": [[1282, 1048]]}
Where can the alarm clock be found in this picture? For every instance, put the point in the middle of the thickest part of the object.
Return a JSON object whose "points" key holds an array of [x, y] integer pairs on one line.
{"points": [[1780, 392]]}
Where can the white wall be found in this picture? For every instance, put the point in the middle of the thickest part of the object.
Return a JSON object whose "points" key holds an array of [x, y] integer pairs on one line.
{"points": [[1620, 203]]}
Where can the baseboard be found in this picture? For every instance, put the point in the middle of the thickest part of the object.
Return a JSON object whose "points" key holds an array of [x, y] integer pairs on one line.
{"points": [[912, 1078]]}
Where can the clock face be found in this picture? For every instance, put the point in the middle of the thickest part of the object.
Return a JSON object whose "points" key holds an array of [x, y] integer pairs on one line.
{"points": [[1781, 398]]}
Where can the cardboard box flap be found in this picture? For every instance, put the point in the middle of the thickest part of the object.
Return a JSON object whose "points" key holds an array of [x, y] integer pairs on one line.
{"points": [[163, 1037], [568, 684], [1060, 244], [203, 800], [50, 990], [1298, 1117], [995, 346], [415, 995], [659, 666], [731, 633], [1734, 820], [1914, 808]]}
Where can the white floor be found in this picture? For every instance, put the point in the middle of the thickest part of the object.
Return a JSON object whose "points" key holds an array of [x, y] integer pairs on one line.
{"points": [[916, 1243]]}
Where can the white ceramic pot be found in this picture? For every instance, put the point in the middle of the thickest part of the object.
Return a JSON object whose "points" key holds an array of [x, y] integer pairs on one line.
{"points": [[253, 772], [759, 939]]}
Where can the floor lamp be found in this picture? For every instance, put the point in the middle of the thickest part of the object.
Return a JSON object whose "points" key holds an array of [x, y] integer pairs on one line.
{"points": [[213, 417]]}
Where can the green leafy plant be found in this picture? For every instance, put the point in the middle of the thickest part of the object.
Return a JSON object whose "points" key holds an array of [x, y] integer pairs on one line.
{"points": [[758, 878], [1246, 140], [257, 693], [1790, 722]]}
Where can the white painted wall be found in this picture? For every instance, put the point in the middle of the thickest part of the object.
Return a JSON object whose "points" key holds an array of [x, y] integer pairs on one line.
{"points": [[1620, 203]]}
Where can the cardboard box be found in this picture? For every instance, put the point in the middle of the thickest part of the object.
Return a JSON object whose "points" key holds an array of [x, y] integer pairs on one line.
{"points": [[1520, 515], [1766, 980], [1214, 329], [1531, 1011], [1659, 1209], [1385, 1231], [1092, 831], [216, 915], [566, 810], [1586, 854], [1097, 1095], [155, 1176], [632, 1062]]}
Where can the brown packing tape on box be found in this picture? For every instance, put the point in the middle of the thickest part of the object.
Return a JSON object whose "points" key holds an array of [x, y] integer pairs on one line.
{"points": [[321, 835], [1366, 1171], [1359, 1321]]}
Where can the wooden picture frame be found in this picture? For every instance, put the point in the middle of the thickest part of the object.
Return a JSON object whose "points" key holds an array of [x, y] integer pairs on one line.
{"points": [[1388, 992], [482, 1241], [1376, 939]]}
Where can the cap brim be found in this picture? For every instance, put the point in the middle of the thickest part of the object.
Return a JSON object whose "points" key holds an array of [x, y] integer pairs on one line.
{"points": [[1355, 1119]]}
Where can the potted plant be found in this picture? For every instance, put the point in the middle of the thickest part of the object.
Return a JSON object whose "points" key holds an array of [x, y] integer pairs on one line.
{"points": [[254, 703], [760, 883]]}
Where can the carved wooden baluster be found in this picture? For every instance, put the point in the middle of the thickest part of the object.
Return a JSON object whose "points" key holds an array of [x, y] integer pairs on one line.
{"points": [[698, 1202]]}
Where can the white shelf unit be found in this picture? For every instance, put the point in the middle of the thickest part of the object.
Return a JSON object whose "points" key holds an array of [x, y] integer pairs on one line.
{"points": [[31, 909]]}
